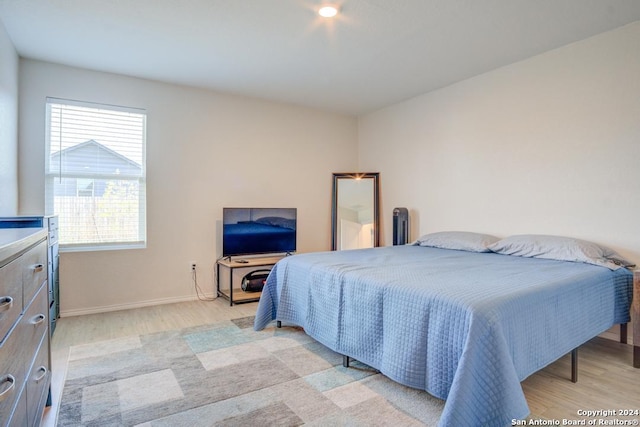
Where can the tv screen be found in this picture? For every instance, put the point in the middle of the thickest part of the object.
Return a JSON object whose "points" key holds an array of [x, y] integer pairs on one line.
{"points": [[250, 231]]}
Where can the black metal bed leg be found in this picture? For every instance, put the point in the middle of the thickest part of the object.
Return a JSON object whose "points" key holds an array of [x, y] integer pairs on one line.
{"points": [[623, 333], [278, 324], [574, 365], [345, 361]]}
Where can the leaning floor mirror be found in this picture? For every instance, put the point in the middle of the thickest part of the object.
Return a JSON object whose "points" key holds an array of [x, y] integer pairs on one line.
{"points": [[355, 223]]}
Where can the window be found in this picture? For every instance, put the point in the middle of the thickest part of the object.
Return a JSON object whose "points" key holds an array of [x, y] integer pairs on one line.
{"points": [[95, 174]]}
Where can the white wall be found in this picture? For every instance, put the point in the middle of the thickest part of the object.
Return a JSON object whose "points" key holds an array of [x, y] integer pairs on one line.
{"points": [[547, 145], [8, 126], [205, 150]]}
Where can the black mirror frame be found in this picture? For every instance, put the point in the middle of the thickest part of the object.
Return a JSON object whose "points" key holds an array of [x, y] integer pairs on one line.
{"points": [[376, 208]]}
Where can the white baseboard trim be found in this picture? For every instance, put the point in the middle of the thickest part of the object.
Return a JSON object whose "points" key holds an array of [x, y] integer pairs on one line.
{"points": [[128, 306]]}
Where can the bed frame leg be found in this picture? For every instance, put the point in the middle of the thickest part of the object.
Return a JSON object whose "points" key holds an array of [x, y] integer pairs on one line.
{"points": [[278, 324], [345, 361], [574, 365], [623, 333]]}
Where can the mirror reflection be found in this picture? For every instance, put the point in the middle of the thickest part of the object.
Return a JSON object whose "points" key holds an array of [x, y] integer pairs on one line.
{"points": [[355, 222]]}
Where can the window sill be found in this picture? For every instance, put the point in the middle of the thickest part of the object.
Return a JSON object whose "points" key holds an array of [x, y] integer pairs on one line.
{"points": [[109, 247]]}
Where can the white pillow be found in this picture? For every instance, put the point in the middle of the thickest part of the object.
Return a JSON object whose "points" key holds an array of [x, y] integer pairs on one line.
{"points": [[459, 240], [560, 248]]}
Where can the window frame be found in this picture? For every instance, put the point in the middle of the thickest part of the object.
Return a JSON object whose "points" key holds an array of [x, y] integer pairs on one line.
{"points": [[141, 180]]}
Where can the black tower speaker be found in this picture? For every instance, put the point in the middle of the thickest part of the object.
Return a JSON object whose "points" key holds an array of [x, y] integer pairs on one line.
{"points": [[400, 226]]}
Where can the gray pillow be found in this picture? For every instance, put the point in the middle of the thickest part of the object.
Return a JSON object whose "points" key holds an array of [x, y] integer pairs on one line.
{"points": [[459, 240], [560, 248]]}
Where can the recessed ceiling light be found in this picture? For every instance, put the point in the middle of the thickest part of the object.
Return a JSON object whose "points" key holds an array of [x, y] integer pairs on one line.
{"points": [[328, 10]]}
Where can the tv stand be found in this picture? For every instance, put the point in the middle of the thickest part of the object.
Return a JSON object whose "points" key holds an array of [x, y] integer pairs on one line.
{"points": [[228, 269]]}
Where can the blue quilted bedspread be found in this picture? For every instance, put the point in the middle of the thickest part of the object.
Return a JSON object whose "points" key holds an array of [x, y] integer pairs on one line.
{"points": [[466, 327]]}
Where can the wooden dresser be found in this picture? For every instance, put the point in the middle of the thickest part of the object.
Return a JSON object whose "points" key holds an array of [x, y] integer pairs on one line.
{"points": [[25, 357], [53, 278]]}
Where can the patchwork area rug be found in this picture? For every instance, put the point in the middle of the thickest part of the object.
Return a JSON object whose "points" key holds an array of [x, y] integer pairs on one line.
{"points": [[226, 374]]}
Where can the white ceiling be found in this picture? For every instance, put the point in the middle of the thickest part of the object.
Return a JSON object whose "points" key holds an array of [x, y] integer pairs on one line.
{"points": [[375, 53]]}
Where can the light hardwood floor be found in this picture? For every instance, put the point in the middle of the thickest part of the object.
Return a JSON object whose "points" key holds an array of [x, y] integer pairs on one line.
{"points": [[89, 328], [607, 380]]}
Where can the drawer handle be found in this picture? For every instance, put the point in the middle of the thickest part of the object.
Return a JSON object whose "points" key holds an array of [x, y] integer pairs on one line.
{"points": [[7, 379], [44, 371], [5, 303], [38, 268], [38, 319]]}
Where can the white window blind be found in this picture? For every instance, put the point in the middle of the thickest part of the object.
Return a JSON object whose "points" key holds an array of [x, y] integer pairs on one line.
{"points": [[95, 174]]}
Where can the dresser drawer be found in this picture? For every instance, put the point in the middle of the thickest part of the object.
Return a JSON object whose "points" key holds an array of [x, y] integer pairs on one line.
{"points": [[19, 416], [52, 222], [33, 325], [53, 237], [12, 372], [53, 289], [38, 382], [34, 270], [10, 295], [53, 258]]}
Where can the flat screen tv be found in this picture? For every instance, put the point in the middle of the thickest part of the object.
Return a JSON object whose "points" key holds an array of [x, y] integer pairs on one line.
{"points": [[252, 231]]}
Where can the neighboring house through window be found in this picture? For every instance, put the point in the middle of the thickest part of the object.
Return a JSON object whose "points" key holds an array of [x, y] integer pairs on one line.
{"points": [[95, 174], [84, 187]]}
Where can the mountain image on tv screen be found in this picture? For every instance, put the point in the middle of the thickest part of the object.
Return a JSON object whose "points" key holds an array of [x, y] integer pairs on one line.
{"points": [[249, 231]]}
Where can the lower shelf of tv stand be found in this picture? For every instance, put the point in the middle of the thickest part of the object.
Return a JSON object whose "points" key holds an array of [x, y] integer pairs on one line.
{"points": [[225, 285], [240, 296]]}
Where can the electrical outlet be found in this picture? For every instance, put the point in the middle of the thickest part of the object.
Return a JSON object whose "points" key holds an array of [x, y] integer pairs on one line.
{"points": [[193, 265]]}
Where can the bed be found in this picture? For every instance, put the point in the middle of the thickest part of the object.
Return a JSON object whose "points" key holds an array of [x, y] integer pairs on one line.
{"points": [[467, 326]]}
